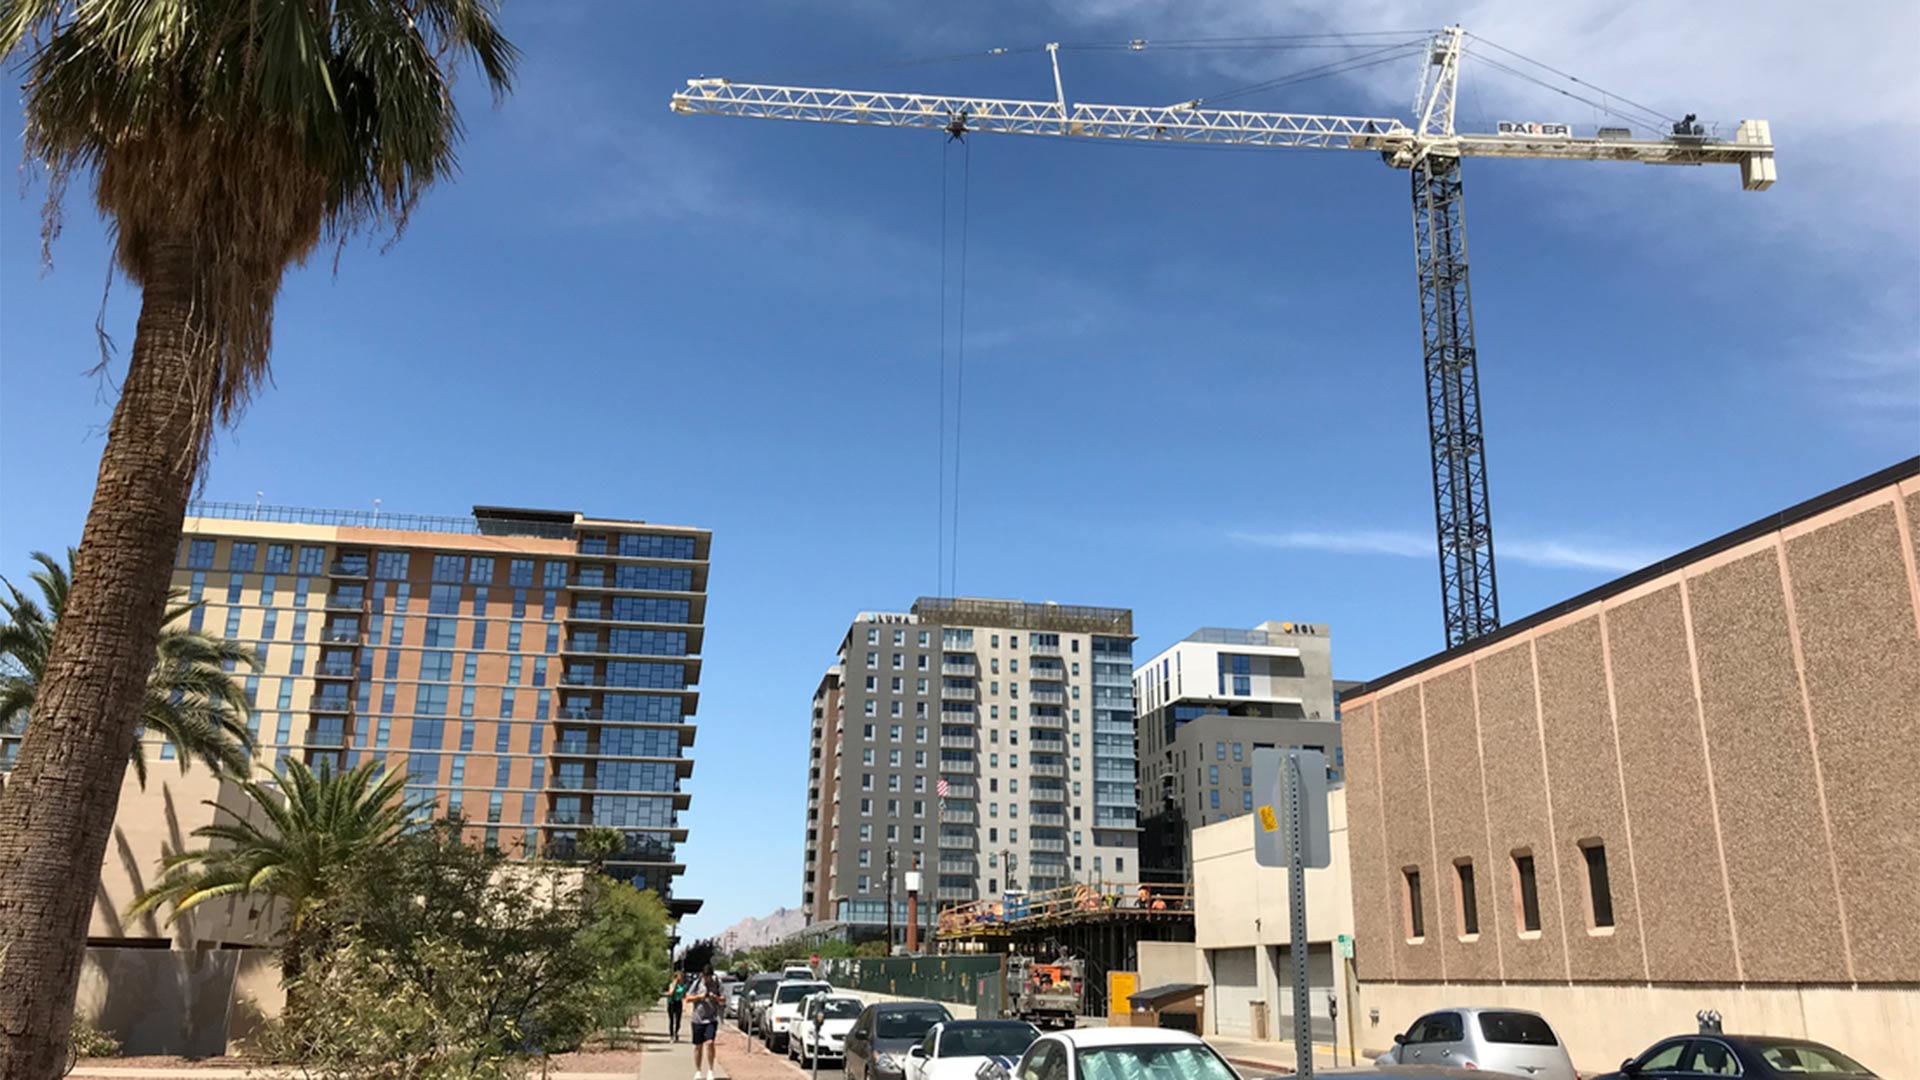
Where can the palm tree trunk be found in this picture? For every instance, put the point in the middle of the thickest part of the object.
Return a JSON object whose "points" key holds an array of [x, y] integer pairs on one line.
{"points": [[58, 810]]}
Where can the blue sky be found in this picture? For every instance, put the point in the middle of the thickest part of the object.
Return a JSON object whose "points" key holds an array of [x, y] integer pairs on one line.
{"points": [[1192, 382]]}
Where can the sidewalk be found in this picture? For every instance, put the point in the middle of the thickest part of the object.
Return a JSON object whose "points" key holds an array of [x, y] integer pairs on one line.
{"points": [[654, 1058], [1277, 1056]]}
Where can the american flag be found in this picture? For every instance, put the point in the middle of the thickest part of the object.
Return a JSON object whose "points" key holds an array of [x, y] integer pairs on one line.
{"points": [[941, 787]]}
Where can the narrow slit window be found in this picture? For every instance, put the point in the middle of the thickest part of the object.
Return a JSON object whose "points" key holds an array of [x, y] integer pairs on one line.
{"points": [[1599, 888], [1527, 887], [1469, 904], [1416, 918]]}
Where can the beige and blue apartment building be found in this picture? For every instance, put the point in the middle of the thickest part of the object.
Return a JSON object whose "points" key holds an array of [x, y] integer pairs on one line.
{"points": [[535, 672]]}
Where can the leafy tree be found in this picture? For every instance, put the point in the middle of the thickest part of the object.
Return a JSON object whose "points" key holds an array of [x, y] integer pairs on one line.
{"points": [[628, 940], [224, 139], [483, 958], [191, 699], [299, 844]]}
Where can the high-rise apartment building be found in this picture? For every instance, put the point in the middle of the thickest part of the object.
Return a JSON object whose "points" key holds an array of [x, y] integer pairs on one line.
{"points": [[988, 743], [532, 670], [1205, 704]]}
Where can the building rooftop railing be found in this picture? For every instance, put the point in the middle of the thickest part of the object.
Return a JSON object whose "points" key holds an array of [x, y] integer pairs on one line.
{"points": [[1226, 635], [1018, 615], [379, 519]]}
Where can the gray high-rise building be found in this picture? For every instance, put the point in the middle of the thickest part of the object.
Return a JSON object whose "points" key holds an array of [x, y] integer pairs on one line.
{"points": [[987, 743], [1205, 704]]}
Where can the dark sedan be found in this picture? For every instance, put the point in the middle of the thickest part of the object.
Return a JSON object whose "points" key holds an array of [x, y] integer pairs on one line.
{"points": [[1752, 1057], [876, 1048], [759, 988]]}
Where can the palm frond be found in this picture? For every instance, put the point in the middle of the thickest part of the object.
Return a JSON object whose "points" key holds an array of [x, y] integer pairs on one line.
{"points": [[256, 127]]}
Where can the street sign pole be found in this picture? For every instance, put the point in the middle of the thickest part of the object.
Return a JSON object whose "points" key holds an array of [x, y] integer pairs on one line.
{"points": [[1297, 913]]}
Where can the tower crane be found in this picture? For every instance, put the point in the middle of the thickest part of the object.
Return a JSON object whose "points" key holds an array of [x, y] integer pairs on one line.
{"points": [[1426, 144]]}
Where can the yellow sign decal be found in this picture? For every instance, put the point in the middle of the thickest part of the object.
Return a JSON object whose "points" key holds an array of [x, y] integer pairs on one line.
{"points": [[1268, 821]]}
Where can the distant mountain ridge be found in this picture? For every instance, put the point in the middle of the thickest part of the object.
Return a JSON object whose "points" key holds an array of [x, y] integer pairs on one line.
{"points": [[752, 933]]}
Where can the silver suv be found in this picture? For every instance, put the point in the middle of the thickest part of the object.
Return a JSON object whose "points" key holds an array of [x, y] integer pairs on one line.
{"points": [[1511, 1041]]}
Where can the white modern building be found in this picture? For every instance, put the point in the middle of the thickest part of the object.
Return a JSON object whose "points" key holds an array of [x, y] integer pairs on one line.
{"points": [[1204, 705]]}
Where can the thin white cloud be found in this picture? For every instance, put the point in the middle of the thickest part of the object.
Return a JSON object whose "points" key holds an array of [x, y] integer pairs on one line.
{"points": [[1555, 554]]}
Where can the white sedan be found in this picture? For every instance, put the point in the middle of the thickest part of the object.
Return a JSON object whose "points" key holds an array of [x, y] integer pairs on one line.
{"points": [[958, 1049], [836, 1014], [1121, 1054]]}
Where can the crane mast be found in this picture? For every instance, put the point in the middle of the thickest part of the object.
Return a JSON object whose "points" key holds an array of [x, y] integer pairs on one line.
{"points": [[1463, 518], [1429, 148]]}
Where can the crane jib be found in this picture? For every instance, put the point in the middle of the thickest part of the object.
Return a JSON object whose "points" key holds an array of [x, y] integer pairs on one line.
{"points": [[1430, 148]]}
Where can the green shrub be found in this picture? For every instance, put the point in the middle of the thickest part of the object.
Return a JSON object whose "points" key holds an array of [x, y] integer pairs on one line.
{"points": [[87, 1041]]}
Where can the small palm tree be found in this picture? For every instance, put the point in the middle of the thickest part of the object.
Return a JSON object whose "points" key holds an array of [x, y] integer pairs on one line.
{"points": [[191, 699], [598, 844], [297, 849]]}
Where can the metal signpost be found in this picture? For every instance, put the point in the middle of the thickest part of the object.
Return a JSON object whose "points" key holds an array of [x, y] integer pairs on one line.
{"points": [[1290, 830]]}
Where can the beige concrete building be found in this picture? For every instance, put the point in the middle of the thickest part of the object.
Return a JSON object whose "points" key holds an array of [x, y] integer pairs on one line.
{"points": [[1693, 787]]}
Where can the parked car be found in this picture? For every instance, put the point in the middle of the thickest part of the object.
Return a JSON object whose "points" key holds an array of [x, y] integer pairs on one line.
{"points": [[733, 999], [1511, 1041], [835, 1014], [956, 1049], [758, 987], [1753, 1057], [1114, 1053], [877, 1044], [783, 1007]]}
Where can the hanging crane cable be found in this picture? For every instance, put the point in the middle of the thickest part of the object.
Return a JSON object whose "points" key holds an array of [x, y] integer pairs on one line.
{"points": [[960, 354], [940, 459], [953, 341]]}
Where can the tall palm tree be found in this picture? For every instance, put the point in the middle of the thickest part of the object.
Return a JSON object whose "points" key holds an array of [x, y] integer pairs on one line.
{"points": [[307, 833], [192, 700], [224, 140]]}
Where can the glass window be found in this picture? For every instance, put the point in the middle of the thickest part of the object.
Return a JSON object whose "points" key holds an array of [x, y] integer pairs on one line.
{"points": [[1469, 905], [241, 555], [520, 572], [1663, 1056], [279, 559], [1527, 891], [553, 574], [1599, 888], [313, 560], [200, 554], [1524, 1029], [1416, 915], [391, 564], [480, 570]]}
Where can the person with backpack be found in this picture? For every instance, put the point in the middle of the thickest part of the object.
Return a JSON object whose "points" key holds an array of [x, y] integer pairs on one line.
{"points": [[709, 1000]]}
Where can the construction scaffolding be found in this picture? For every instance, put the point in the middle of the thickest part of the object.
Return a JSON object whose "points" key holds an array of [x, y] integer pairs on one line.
{"points": [[1101, 924]]}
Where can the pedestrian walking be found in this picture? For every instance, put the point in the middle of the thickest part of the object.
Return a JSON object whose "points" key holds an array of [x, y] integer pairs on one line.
{"points": [[676, 999], [708, 1001]]}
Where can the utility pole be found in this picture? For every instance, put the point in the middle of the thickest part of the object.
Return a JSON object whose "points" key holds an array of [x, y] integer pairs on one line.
{"points": [[888, 876], [913, 906]]}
